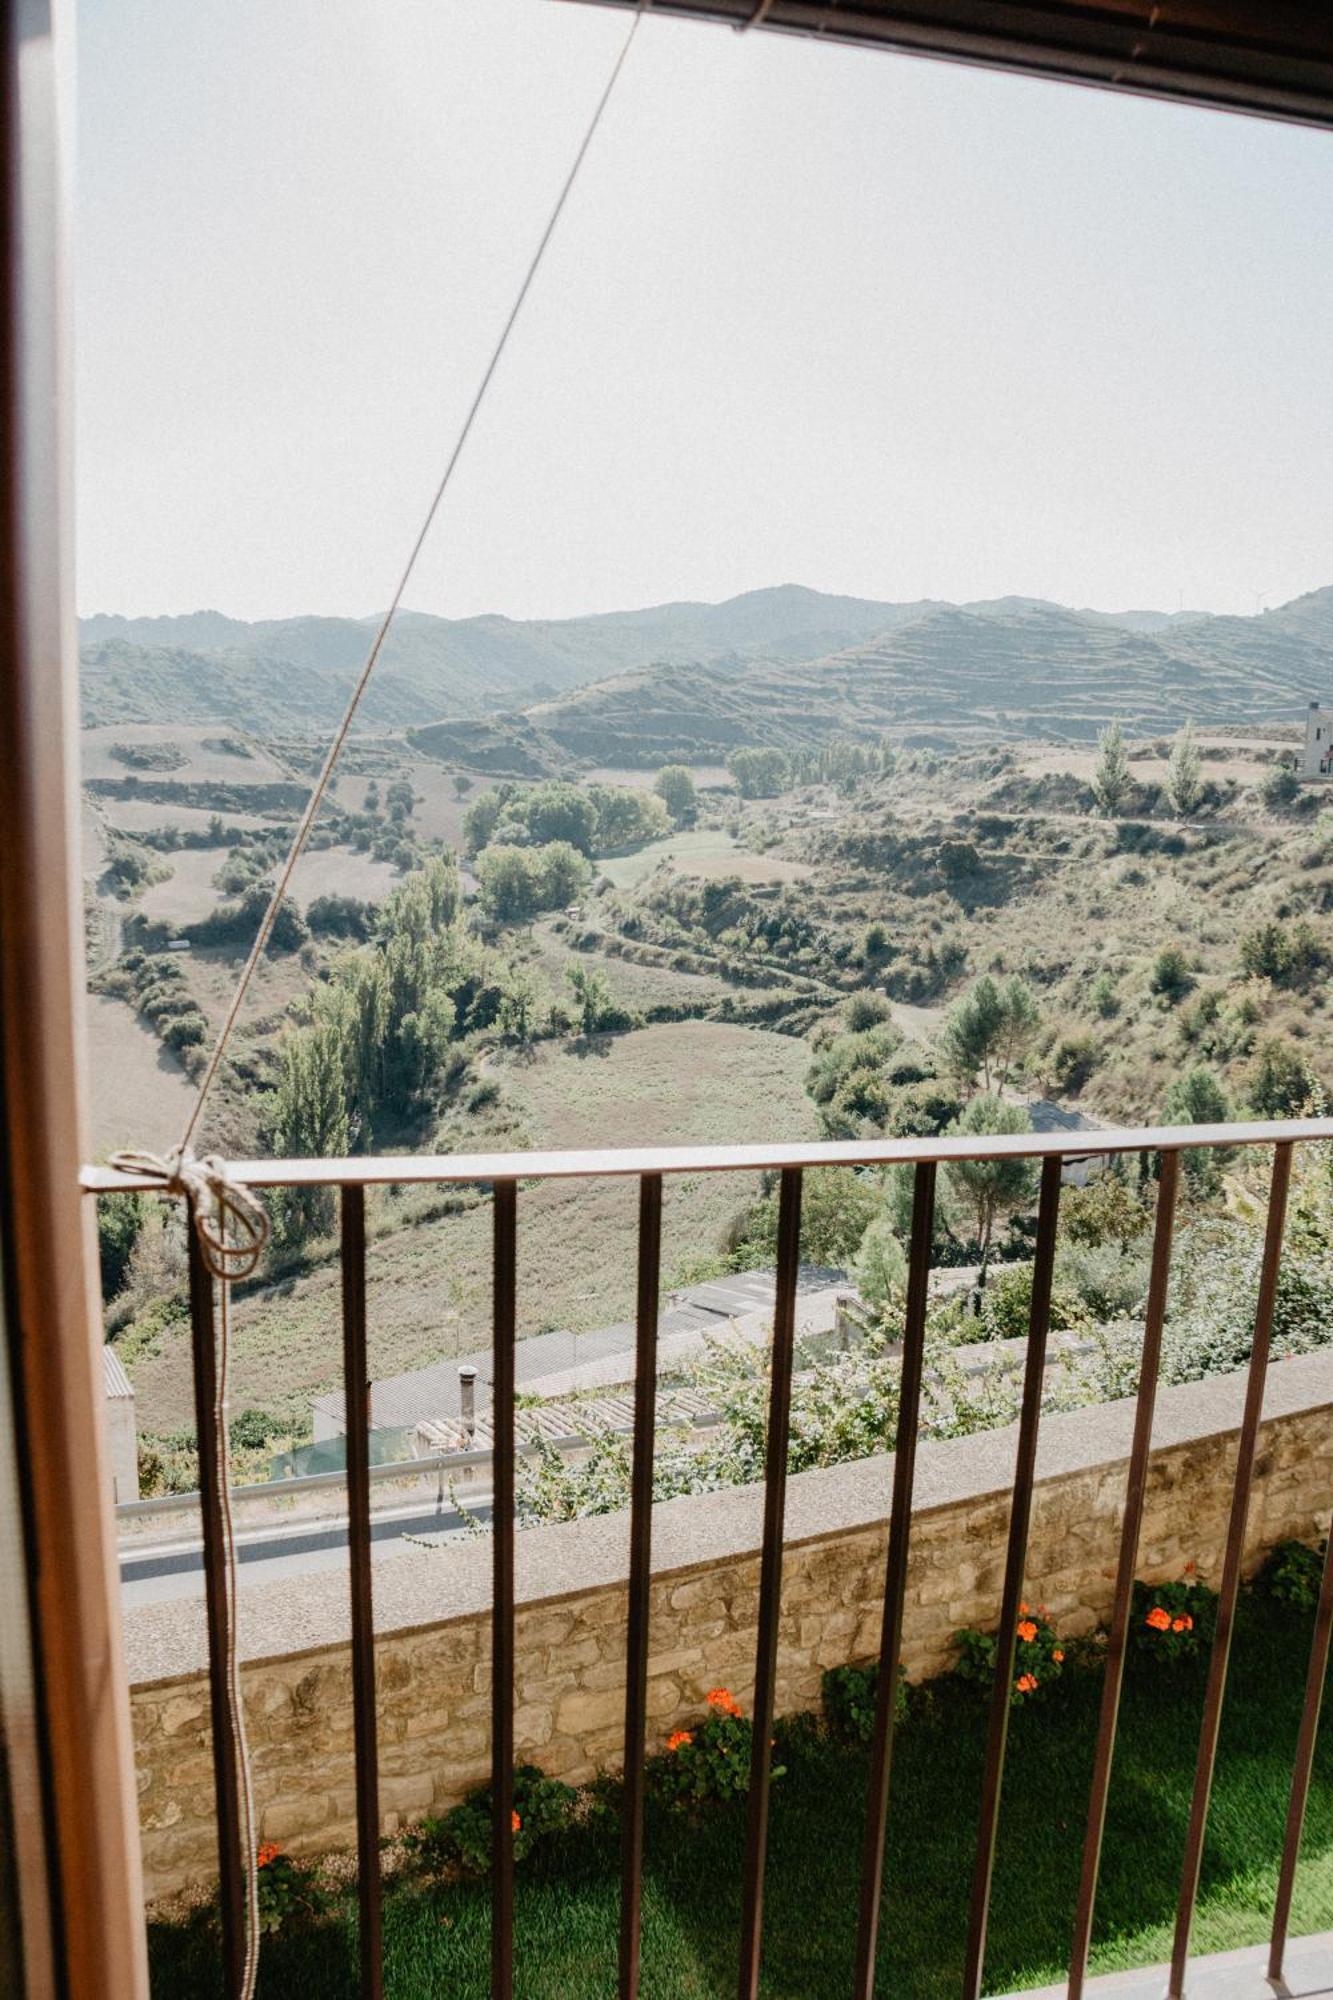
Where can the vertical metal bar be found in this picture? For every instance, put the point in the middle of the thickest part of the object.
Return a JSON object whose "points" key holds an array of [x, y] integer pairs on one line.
{"points": [[356, 1391], [231, 1876], [640, 1577], [770, 1577], [1300, 1776], [1135, 1490], [502, 1601], [895, 1577], [1230, 1585], [1019, 1518]]}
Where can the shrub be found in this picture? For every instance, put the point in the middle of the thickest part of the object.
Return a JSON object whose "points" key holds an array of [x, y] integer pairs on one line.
{"points": [[286, 1889], [1293, 1574], [1279, 1083], [1039, 1657], [1171, 1622], [866, 1010], [459, 1841], [1105, 1209], [710, 1762], [1105, 999], [1109, 1278], [1007, 1303], [1171, 978], [1281, 788], [849, 1695], [1289, 955], [1072, 1062], [341, 916]]}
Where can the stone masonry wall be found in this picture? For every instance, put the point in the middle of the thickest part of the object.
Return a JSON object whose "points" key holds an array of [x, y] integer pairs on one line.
{"points": [[433, 1672]]}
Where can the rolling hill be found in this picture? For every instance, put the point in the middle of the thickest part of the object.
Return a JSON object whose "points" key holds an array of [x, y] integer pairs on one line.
{"points": [[949, 676], [786, 666]]}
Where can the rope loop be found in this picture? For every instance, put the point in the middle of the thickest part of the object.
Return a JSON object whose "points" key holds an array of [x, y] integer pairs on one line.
{"points": [[230, 1222]]}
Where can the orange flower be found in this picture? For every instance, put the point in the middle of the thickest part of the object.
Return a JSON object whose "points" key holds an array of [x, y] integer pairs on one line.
{"points": [[1023, 1610], [514, 1822], [1187, 1622], [1177, 1625], [1159, 1620], [268, 1852], [1026, 1683], [1027, 1630], [724, 1699], [678, 1739], [1057, 1656]]}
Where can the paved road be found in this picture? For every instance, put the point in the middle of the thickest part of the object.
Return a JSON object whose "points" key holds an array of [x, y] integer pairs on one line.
{"points": [[155, 1575]]}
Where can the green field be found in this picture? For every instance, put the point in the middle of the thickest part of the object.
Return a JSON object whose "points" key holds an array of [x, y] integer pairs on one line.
{"points": [[437, 1940], [708, 851]]}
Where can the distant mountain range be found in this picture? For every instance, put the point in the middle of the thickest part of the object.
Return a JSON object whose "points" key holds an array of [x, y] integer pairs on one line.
{"points": [[784, 665]]}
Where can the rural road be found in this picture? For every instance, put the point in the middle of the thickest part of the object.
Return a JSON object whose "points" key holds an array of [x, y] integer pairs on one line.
{"points": [[155, 1575]]}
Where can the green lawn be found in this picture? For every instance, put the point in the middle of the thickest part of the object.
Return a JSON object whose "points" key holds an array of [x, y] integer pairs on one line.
{"points": [[437, 1941]]}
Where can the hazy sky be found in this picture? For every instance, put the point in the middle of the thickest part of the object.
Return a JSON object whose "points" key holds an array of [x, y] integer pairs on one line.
{"points": [[827, 316]]}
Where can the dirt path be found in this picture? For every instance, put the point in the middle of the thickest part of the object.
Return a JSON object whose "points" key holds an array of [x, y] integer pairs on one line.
{"points": [[140, 1093]]}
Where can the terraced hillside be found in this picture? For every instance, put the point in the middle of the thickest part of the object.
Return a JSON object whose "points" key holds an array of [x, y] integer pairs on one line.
{"points": [[952, 677], [292, 673]]}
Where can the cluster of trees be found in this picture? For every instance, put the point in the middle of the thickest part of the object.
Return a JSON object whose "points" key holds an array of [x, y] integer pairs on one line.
{"points": [[520, 882], [1290, 955], [842, 762], [759, 774], [592, 819], [377, 1033], [1113, 783]]}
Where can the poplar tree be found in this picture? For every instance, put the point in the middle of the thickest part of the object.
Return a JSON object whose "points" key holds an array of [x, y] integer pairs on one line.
{"points": [[1184, 778], [1111, 780]]}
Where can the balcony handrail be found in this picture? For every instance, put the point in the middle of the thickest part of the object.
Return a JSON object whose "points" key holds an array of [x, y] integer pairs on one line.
{"points": [[631, 1162], [505, 1174]]}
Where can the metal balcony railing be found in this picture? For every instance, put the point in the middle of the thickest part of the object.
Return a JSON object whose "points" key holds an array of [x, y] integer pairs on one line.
{"points": [[506, 1174]]}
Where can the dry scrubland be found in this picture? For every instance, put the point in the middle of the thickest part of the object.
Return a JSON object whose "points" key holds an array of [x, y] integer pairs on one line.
{"points": [[761, 911]]}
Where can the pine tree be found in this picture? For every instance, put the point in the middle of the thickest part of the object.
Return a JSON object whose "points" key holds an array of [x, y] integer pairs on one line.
{"points": [[1111, 781], [1184, 779]]}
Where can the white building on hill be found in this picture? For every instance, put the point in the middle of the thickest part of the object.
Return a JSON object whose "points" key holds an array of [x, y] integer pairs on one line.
{"points": [[1318, 742]]}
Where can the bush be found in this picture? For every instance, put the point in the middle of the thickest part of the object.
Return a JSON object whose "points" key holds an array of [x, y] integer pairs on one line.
{"points": [[1171, 1622], [1171, 978], [1007, 1304], [341, 916], [1294, 1573], [1039, 1657], [1104, 997], [866, 1010], [1281, 788], [1288, 955], [286, 1889], [849, 1695], [1072, 1062], [459, 1841], [1105, 1209], [1109, 1278], [710, 1762]]}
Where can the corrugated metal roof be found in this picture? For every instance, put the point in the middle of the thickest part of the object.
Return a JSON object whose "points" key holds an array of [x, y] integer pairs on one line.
{"points": [[427, 1395], [114, 1379]]}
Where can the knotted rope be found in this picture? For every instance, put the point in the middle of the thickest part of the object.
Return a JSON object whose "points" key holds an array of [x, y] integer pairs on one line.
{"points": [[231, 1224]]}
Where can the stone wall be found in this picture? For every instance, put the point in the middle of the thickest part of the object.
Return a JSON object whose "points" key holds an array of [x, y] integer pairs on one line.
{"points": [[432, 1611]]}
